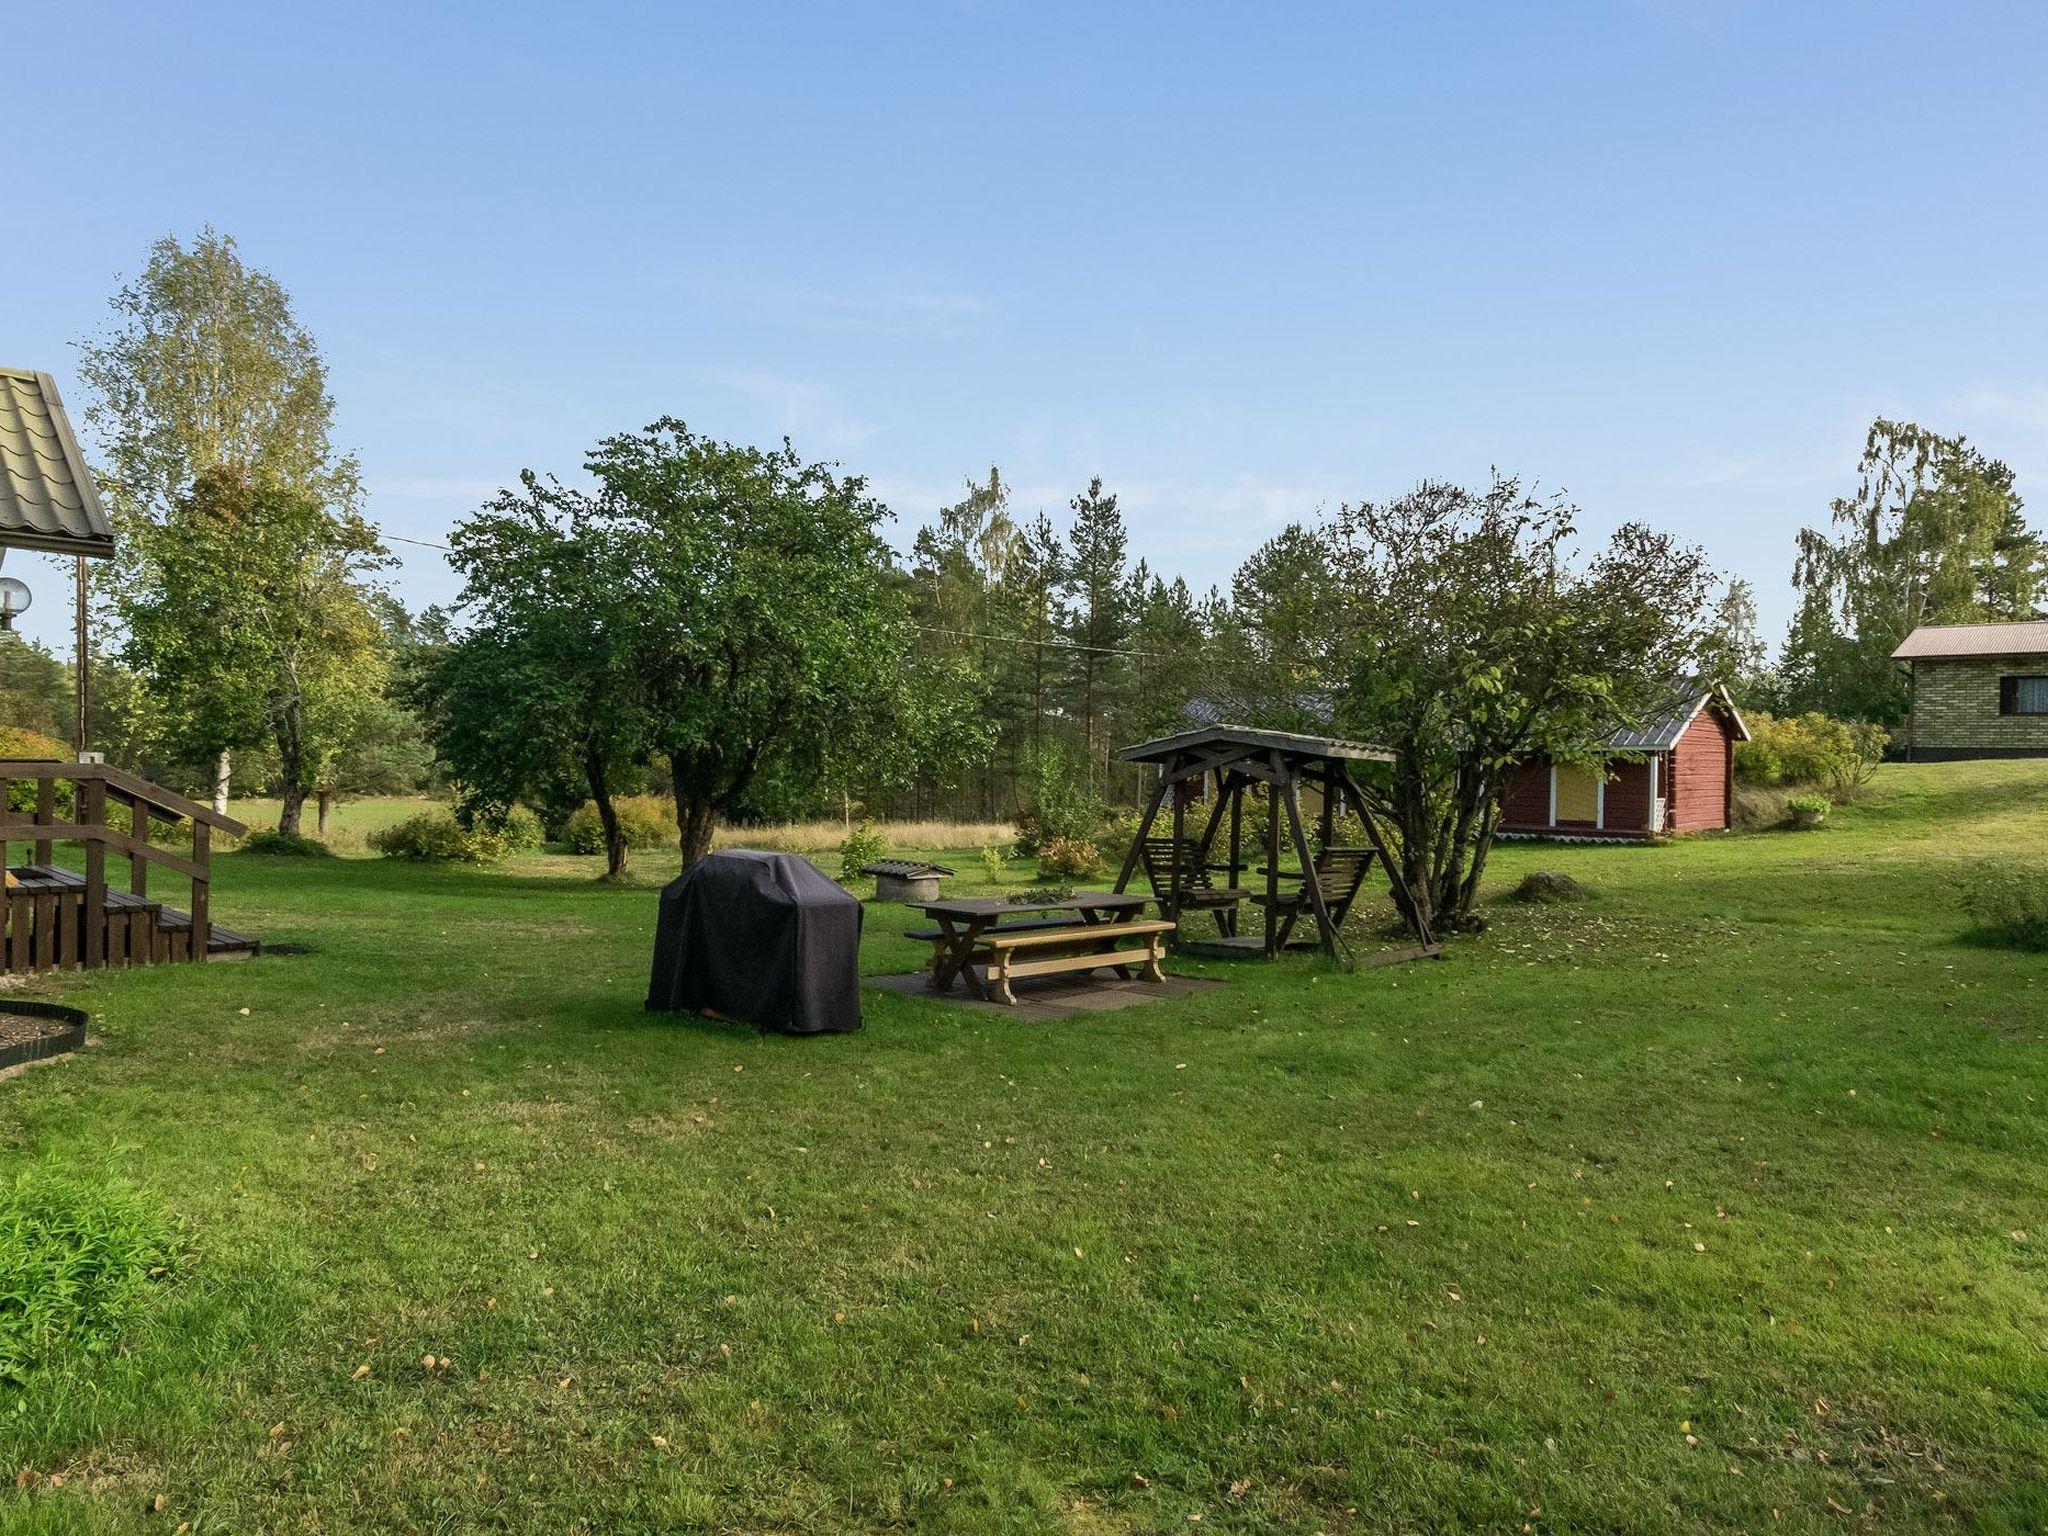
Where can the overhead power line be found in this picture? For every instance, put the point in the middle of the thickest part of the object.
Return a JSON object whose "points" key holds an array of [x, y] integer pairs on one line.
{"points": [[929, 629]]}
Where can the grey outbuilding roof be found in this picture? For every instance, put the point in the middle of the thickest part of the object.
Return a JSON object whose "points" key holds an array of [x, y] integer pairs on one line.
{"points": [[2021, 637], [1661, 735], [47, 498], [1240, 735]]}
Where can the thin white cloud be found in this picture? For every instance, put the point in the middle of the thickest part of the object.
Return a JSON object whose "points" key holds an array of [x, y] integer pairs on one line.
{"points": [[909, 309], [806, 411], [2024, 406]]}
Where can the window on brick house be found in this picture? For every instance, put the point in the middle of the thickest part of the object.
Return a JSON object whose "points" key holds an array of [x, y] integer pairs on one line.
{"points": [[2023, 695]]}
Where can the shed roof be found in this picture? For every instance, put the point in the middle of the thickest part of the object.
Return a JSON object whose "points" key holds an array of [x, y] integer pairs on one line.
{"points": [[47, 498], [1291, 742], [2019, 637], [1661, 735]]}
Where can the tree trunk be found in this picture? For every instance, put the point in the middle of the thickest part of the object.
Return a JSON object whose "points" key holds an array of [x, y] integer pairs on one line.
{"points": [[223, 770], [291, 773], [326, 798], [607, 816], [694, 819], [290, 816]]}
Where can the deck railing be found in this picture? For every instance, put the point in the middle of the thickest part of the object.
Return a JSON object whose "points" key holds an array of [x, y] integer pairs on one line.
{"points": [[42, 926]]}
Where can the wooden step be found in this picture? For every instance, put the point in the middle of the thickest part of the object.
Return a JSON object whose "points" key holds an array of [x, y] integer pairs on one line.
{"points": [[42, 925]]}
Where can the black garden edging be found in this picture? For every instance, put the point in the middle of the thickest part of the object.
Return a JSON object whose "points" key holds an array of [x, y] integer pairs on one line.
{"points": [[56, 1043]]}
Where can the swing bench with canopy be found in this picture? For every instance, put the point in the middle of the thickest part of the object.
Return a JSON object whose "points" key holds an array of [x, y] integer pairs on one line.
{"points": [[1183, 868]]}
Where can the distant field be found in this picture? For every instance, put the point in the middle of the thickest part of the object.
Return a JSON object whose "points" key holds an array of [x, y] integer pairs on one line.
{"points": [[1714, 1203], [350, 822]]}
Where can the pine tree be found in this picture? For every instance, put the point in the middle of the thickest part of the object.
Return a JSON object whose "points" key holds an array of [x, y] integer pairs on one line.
{"points": [[1097, 588]]}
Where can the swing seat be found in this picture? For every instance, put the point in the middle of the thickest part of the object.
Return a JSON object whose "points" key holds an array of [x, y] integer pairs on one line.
{"points": [[1175, 864]]}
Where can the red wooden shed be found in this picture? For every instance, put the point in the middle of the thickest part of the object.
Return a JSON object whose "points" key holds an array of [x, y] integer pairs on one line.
{"points": [[1676, 774]]}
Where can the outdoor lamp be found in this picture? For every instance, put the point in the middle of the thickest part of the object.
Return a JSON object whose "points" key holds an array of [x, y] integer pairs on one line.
{"points": [[14, 599]]}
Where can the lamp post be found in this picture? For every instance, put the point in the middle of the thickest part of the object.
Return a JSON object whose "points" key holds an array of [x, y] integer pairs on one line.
{"points": [[14, 600]]}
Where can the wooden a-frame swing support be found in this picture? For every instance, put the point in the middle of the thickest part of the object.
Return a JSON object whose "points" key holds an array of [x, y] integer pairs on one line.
{"points": [[1234, 758]]}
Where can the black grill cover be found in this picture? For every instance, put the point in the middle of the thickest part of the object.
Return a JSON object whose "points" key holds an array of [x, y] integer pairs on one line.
{"points": [[762, 937]]}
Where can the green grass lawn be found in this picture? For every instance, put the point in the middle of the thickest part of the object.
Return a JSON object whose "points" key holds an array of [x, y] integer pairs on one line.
{"points": [[1716, 1202]]}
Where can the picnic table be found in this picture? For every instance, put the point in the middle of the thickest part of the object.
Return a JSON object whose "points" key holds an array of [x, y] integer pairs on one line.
{"points": [[1014, 939]]}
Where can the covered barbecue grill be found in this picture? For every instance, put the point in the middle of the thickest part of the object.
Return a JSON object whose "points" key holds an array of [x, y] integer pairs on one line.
{"points": [[760, 937]]}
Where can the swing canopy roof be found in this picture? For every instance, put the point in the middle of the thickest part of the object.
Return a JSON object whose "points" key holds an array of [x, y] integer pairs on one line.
{"points": [[1290, 744]]}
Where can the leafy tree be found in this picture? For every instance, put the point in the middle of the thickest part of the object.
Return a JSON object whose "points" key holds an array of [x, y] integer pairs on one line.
{"points": [[546, 687], [247, 615], [772, 632], [211, 402], [1473, 640], [1733, 652], [1932, 534], [35, 687], [1278, 633]]}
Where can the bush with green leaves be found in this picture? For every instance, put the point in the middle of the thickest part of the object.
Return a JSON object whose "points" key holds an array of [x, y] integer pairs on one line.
{"points": [[994, 864], [2009, 901], [522, 831], [285, 845], [1810, 749], [648, 821], [1059, 805], [863, 845], [76, 1257], [1069, 858], [1810, 808], [437, 837]]}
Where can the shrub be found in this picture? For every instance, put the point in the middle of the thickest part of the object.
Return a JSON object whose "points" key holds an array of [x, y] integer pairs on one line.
{"points": [[863, 845], [2009, 900], [1547, 886], [1810, 749], [522, 830], [76, 1255], [1809, 809], [1058, 803], [648, 821], [1068, 858], [285, 845], [439, 837], [1119, 828], [994, 863]]}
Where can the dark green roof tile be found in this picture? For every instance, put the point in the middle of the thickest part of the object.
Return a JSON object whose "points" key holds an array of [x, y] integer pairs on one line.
{"points": [[47, 498]]}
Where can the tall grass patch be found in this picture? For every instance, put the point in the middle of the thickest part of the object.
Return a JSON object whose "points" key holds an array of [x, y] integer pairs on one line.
{"points": [[76, 1257], [2009, 901]]}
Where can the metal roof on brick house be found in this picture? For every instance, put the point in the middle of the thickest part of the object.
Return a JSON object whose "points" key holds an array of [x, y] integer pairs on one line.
{"points": [[47, 498], [2017, 637], [1662, 735]]}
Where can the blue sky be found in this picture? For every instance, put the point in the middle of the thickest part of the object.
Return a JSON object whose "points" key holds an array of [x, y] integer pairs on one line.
{"points": [[1241, 260]]}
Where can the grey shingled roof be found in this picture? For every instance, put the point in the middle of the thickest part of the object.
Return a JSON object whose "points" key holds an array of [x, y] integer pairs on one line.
{"points": [[47, 498], [2022, 637], [1662, 734]]}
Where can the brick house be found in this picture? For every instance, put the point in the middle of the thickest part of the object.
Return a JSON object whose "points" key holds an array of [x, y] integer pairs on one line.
{"points": [[1978, 690], [1675, 774]]}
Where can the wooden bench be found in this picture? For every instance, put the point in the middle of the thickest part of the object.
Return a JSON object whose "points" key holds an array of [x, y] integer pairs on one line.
{"points": [[1010, 954]]}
